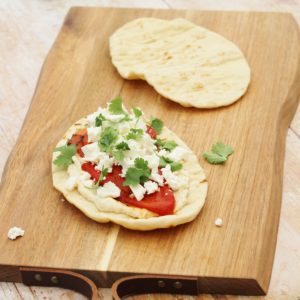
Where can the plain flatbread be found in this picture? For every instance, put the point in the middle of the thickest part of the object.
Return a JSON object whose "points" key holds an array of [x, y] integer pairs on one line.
{"points": [[183, 62], [188, 204]]}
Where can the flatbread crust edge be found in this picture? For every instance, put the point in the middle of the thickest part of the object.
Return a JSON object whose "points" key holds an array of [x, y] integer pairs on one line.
{"points": [[132, 72], [196, 196]]}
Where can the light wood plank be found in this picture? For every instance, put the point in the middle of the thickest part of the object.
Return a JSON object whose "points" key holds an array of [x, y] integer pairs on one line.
{"points": [[14, 49]]}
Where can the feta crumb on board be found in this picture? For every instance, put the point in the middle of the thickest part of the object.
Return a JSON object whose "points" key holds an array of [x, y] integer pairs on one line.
{"points": [[15, 232], [219, 222]]}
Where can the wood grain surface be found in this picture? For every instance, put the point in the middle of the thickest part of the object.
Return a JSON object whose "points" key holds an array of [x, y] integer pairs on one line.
{"points": [[128, 90]]}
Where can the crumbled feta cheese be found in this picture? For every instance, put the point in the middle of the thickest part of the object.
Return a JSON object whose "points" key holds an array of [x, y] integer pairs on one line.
{"points": [[104, 162], [163, 152], [148, 143], [138, 191], [71, 183], [70, 133], [178, 153], [151, 187], [109, 189], [91, 118], [84, 175], [141, 124], [172, 180], [112, 118], [132, 144], [93, 134], [124, 128], [156, 177], [153, 161], [88, 183], [218, 222], [126, 164], [91, 152], [15, 232]]}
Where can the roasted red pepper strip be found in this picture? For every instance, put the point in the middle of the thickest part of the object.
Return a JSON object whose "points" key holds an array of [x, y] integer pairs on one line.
{"points": [[151, 132], [90, 168], [161, 202], [79, 139]]}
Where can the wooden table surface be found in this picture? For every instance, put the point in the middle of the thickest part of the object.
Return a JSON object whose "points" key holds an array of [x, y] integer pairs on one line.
{"points": [[27, 31]]}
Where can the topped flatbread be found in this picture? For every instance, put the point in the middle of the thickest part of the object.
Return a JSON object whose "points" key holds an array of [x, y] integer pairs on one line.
{"points": [[115, 166], [184, 62]]}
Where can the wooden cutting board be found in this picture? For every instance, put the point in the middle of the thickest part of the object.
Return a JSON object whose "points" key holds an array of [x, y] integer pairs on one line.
{"points": [[246, 192]]}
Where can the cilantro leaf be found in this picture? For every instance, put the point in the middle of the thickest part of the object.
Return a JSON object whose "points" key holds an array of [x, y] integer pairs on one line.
{"points": [[219, 153], [108, 137], [99, 119], [115, 107], [140, 163], [140, 173], [163, 161], [122, 146], [157, 125], [137, 112], [165, 144], [103, 174], [169, 145], [176, 166], [119, 152], [159, 142], [222, 149], [134, 134], [65, 157], [214, 158]]}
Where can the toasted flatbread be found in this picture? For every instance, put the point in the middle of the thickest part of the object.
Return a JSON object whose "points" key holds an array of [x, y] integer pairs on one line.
{"points": [[189, 200], [185, 63]]}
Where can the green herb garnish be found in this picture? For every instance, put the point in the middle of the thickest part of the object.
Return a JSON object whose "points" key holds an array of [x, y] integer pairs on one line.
{"points": [[118, 153], [99, 119], [65, 157], [140, 173], [103, 174], [107, 139], [115, 107], [137, 112], [122, 146], [219, 153], [175, 166], [157, 125], [164, 161], [134, 134], [168, 145]]}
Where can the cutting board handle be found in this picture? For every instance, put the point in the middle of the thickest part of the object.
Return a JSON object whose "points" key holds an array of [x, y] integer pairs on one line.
{"points": [[145, 284], [60, 278]]}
